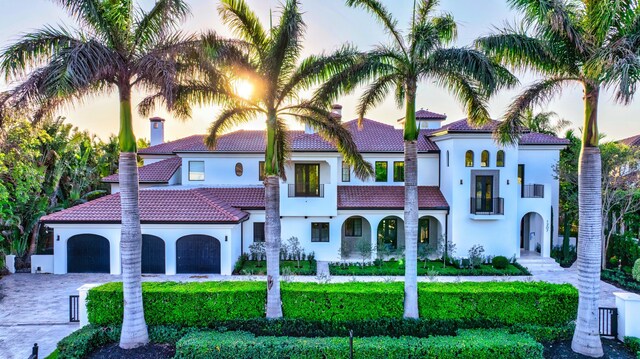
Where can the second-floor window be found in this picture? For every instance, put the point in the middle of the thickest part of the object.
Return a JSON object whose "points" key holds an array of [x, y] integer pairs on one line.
{"points": [[320, 232], [258, 231], [500, 158], [346, 172], [398, 171], [484, 159], [468, 159], [261, 171], [307, 180], [381, 171], [196, 170]]}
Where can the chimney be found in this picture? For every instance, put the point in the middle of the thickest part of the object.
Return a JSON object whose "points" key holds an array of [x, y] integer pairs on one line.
{"points": [[336, 111], [157, 130]]}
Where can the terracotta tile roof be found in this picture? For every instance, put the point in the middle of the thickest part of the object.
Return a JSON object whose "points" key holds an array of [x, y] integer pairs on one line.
{"points": [[534, 138], [387, 197], [464, 126], [161, 206], [157, 172], [239, 197], [422, 114], [631, 141], [372, 136]]}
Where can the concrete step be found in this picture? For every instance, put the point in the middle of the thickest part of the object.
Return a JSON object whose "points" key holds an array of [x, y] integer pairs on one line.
{"points": [[540, 264]]}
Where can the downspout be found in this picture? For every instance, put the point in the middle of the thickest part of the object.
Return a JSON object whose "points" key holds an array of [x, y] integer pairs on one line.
{"points": [[242, 237]]}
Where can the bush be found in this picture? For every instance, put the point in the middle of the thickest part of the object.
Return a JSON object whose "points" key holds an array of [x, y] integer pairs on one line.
{"points": [[207, 304], [633, 344], [500, 262], [636, 271], [620, 279], [477, 344], [82, 342], [476, 256], [545, 334]]}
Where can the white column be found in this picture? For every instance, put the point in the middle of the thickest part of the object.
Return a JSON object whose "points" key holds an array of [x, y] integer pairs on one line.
{"points": [[10, 262], [170, 255], [82, 303], [628, 305]]}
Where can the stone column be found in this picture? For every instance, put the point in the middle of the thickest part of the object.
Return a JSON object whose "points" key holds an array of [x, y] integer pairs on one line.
{"points": [[628, 305], [82, 303]]}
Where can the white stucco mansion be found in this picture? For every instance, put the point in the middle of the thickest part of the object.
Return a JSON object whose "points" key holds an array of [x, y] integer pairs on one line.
{"points": [[201, 208]]}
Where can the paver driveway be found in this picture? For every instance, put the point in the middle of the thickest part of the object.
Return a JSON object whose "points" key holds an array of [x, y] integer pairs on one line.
{"points": [[34, 308]]}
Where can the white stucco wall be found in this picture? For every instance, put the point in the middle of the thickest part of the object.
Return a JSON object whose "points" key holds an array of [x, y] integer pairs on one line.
{"points": [[220, 168]]}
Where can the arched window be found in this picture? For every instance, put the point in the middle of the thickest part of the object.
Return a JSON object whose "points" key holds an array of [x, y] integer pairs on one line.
{"points": [[484, 159], [500, 159], [468, 159]]}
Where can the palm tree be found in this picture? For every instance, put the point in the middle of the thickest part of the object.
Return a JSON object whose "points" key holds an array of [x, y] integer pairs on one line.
{"points": [[542, 122], [593, 43], [117, 46], [269, 60], [419, 55]]}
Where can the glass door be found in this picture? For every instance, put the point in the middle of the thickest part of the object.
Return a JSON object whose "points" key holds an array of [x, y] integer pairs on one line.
{"points": [[484, 194], [307, 180]]}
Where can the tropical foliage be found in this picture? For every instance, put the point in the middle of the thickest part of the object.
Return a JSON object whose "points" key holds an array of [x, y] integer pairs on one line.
{"points": [[593, 43]]}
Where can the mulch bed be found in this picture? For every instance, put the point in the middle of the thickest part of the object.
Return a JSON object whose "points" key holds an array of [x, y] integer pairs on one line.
{"points": [[149, 351], [613, 349]]}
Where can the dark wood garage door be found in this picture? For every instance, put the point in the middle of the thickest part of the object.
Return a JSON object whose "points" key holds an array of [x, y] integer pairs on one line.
{"points": [[152, 254], [88, 253], [198, 254]]}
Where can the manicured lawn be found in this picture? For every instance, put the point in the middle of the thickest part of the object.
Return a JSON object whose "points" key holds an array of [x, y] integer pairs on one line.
{"points": [[290, 267], [432, 268]]}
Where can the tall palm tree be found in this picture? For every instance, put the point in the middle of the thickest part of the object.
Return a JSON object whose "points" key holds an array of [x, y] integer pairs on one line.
{"points": [[594, 43], [269, 60], [421, 54], [117, 46], [542, 122]]}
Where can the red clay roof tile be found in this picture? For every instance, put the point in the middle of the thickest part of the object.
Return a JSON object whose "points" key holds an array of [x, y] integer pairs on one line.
{"points": [[387, 197], [157, 172]]}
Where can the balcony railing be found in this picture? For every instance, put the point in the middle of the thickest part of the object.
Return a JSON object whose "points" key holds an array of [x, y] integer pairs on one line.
{"points": [[533, 191], [487, 206], [306, 191]]}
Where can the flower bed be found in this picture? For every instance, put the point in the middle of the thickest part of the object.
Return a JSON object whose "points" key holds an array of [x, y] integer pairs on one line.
{"points": [[432, 268], [620, 279]]}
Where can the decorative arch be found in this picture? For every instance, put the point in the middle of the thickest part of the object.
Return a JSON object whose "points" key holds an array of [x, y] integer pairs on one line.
{"points": [[391, 233], [532, 233], [468, 159], [484, 158], [88, 253], [354, 229], [198, 253], [153, 254]]}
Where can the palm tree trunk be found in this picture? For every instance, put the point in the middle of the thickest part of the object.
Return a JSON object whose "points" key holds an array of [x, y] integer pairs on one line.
{"points": [[272, 239], [134, 328], [272, 220], [586, 338], [411, 206]]}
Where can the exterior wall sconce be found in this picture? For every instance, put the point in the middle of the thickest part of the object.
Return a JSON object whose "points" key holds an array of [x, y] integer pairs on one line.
{"points": [[460, 181], [58, 238], [508, 182], [226, 238]]}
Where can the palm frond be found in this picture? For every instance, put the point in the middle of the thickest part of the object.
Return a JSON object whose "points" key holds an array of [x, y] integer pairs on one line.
{"points": [[330, 128], [470, 95], [384, 17], [509, 130], [375, 93], [230, 117], [35, 49], [164, 16], [244, 23]]}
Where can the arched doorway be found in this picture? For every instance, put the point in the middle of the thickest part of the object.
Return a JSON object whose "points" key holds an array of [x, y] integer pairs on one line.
{"points": [[531, 233], [153, 254], [88, 253], [354, 229], [198, 253], [390, 234], [429, 232]]}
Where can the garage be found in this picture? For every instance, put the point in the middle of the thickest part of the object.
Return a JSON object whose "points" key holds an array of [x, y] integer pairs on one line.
{"points": [[88, 253], [198, 254], [153, 255]]}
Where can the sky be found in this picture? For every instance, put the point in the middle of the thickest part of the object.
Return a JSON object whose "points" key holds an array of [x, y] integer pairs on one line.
{"points": [[330, 23]]}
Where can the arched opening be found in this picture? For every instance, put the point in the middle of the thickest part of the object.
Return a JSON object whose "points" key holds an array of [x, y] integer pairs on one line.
{"points": [[500, 158], [390, 234], [153, 254], [429, 233], [198, 253], [484, 159], [531, 234], [88, 253], [355, 229], [468, 159]]}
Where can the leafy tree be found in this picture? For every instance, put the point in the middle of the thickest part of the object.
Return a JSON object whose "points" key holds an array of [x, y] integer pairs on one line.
{"points": [[400, 65], [593, 43], [117, 46], [269, 59], [542, 122], [567, 174]]}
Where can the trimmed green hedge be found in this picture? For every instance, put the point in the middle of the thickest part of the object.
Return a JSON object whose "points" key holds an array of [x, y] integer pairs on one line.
{"points": [[472, 344], [207, 304], [633, 344]]}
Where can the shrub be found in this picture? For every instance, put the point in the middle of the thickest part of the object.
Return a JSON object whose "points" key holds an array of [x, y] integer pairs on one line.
{"points": [[633, 344], [476, 256], [85, 340], [500, 262], [206, 304], [478, 344], [545, 334], [636, 271], [620, 279], [257, 251]]}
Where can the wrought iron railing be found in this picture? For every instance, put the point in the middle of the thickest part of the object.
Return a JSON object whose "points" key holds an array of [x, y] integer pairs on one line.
{"points": [[487, 206], [533, 191], [304, 190], [608, 318], [74, 308]]}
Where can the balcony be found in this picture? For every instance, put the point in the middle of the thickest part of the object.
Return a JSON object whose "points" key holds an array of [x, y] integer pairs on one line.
{"points": [[532, 191], [487, 206], [304, 190]]}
